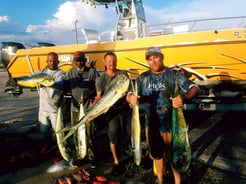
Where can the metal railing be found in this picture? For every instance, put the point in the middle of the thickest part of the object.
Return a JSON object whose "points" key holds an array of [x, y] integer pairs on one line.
{"points": [[197, 25]]}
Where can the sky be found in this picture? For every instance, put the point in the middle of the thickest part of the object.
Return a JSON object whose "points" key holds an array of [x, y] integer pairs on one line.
{"points": [[53, 21]]}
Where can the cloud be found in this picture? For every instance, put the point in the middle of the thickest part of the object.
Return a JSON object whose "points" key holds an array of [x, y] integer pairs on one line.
{"points": [[189, 10], [195, 9], [12, 32], [4, 18], [62, 27]]}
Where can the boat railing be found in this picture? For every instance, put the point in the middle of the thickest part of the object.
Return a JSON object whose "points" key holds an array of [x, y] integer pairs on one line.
{"points": [[92, 36], [196, 25]]}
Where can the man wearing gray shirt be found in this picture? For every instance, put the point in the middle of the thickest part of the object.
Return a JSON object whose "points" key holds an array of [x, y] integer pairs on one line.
{"points": [[80, 80], [49, 101], [50, 97]]}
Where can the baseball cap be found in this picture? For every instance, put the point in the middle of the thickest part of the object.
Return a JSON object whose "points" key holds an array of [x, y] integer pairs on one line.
{"points": [[78, 54], [152, 51]]}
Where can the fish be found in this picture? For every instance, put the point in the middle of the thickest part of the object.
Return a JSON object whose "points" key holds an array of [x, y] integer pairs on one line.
{"points": [[181, 150], [62, 145], [113, 93], [81, 136], [36, 80], [181, 156], [136, 130]]}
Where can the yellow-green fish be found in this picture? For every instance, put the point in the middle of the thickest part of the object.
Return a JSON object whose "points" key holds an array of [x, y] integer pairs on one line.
{"points": [[36, 80], [117, 87], [181, 151], [62, 145], [81, 136], [136, 130]]}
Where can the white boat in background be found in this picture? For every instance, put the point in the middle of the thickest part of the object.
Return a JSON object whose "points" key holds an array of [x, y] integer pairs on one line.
{"points": [[210, 50]]}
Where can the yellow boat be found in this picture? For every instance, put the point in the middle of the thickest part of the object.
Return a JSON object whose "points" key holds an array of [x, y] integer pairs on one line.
{"points": [[212, 56], [206, 52]]}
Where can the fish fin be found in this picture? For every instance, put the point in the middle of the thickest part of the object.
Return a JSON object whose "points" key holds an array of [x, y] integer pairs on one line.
{"points": [[44, 84]]}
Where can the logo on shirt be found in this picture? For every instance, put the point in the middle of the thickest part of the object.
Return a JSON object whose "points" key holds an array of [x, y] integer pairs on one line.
{"points": [[157, 86]]}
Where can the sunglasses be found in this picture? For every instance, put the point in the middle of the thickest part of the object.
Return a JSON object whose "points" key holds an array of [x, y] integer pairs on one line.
{"points": [[79, 59]]}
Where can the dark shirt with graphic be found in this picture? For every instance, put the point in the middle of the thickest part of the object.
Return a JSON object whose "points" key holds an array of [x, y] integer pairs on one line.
{"points": [[155, 98]]}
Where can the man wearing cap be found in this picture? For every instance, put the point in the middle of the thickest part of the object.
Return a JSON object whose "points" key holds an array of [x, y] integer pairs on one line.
{"points": [[80, 80], [153, 95]]}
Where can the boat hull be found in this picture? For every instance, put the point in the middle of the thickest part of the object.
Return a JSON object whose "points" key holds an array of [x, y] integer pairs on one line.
{"points": [[205, 50]]}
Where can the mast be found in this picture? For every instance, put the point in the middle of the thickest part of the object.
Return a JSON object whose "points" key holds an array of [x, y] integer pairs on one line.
{"points": [[131, 22]]}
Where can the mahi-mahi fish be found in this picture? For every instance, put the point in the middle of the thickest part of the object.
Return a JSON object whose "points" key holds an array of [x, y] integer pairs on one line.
{"points": [[181, 151], [62, 145], [36, 80], [136, 130], [81, 136], [116, 88]]}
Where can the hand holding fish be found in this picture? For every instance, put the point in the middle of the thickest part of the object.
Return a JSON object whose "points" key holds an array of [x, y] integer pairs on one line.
{"points": [[58, 101], [177, 101], [81, 101], [123, 94], [57, 104], [132, 99]]}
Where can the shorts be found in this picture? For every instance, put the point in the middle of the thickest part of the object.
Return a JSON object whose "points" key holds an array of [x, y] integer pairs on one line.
{"points": [[156, 143], [117, 124], [157, 123], [47, 121], [161, 116]]}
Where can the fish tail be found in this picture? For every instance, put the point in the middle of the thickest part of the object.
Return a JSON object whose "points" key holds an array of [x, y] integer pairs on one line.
{"points": [[42, 83]]}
